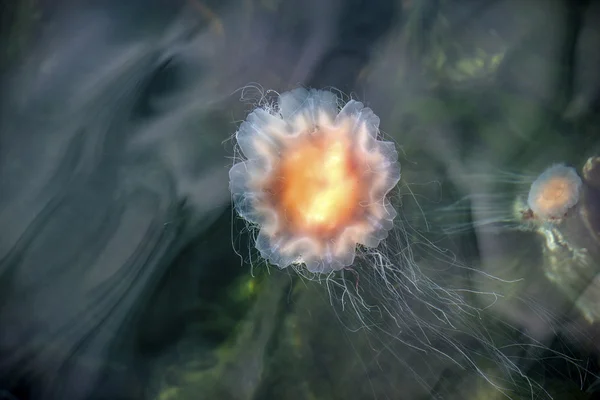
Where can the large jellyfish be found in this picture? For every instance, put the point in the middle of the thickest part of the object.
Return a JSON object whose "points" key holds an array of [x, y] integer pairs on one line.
{"points": [[323, 191], [315, 180]]}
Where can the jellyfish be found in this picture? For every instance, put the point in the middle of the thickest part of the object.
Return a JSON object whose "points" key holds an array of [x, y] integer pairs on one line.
{"points": [[320, 190], [503, 201], [554, 193], [314, 180], [562, 209], [550, 204]]}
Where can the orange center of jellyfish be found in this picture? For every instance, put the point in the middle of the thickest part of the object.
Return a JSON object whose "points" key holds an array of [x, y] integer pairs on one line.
{"points": [[318, 184], [555, 193]]}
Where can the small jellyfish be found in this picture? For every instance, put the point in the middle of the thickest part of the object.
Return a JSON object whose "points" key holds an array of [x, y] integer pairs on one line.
{"points": [[314, 180], [554, 193], [561, 209]]}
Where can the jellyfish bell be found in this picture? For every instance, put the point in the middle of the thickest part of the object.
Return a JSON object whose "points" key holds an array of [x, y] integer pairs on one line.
{"points": [[314, 180], [554, 193]]}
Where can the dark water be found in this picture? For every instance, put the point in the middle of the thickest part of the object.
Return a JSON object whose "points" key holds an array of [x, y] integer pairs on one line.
{"points": [[126, 274]]}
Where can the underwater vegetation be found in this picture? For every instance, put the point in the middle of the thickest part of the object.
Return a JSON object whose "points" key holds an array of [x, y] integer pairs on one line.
{"points": [[299, 200]]}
